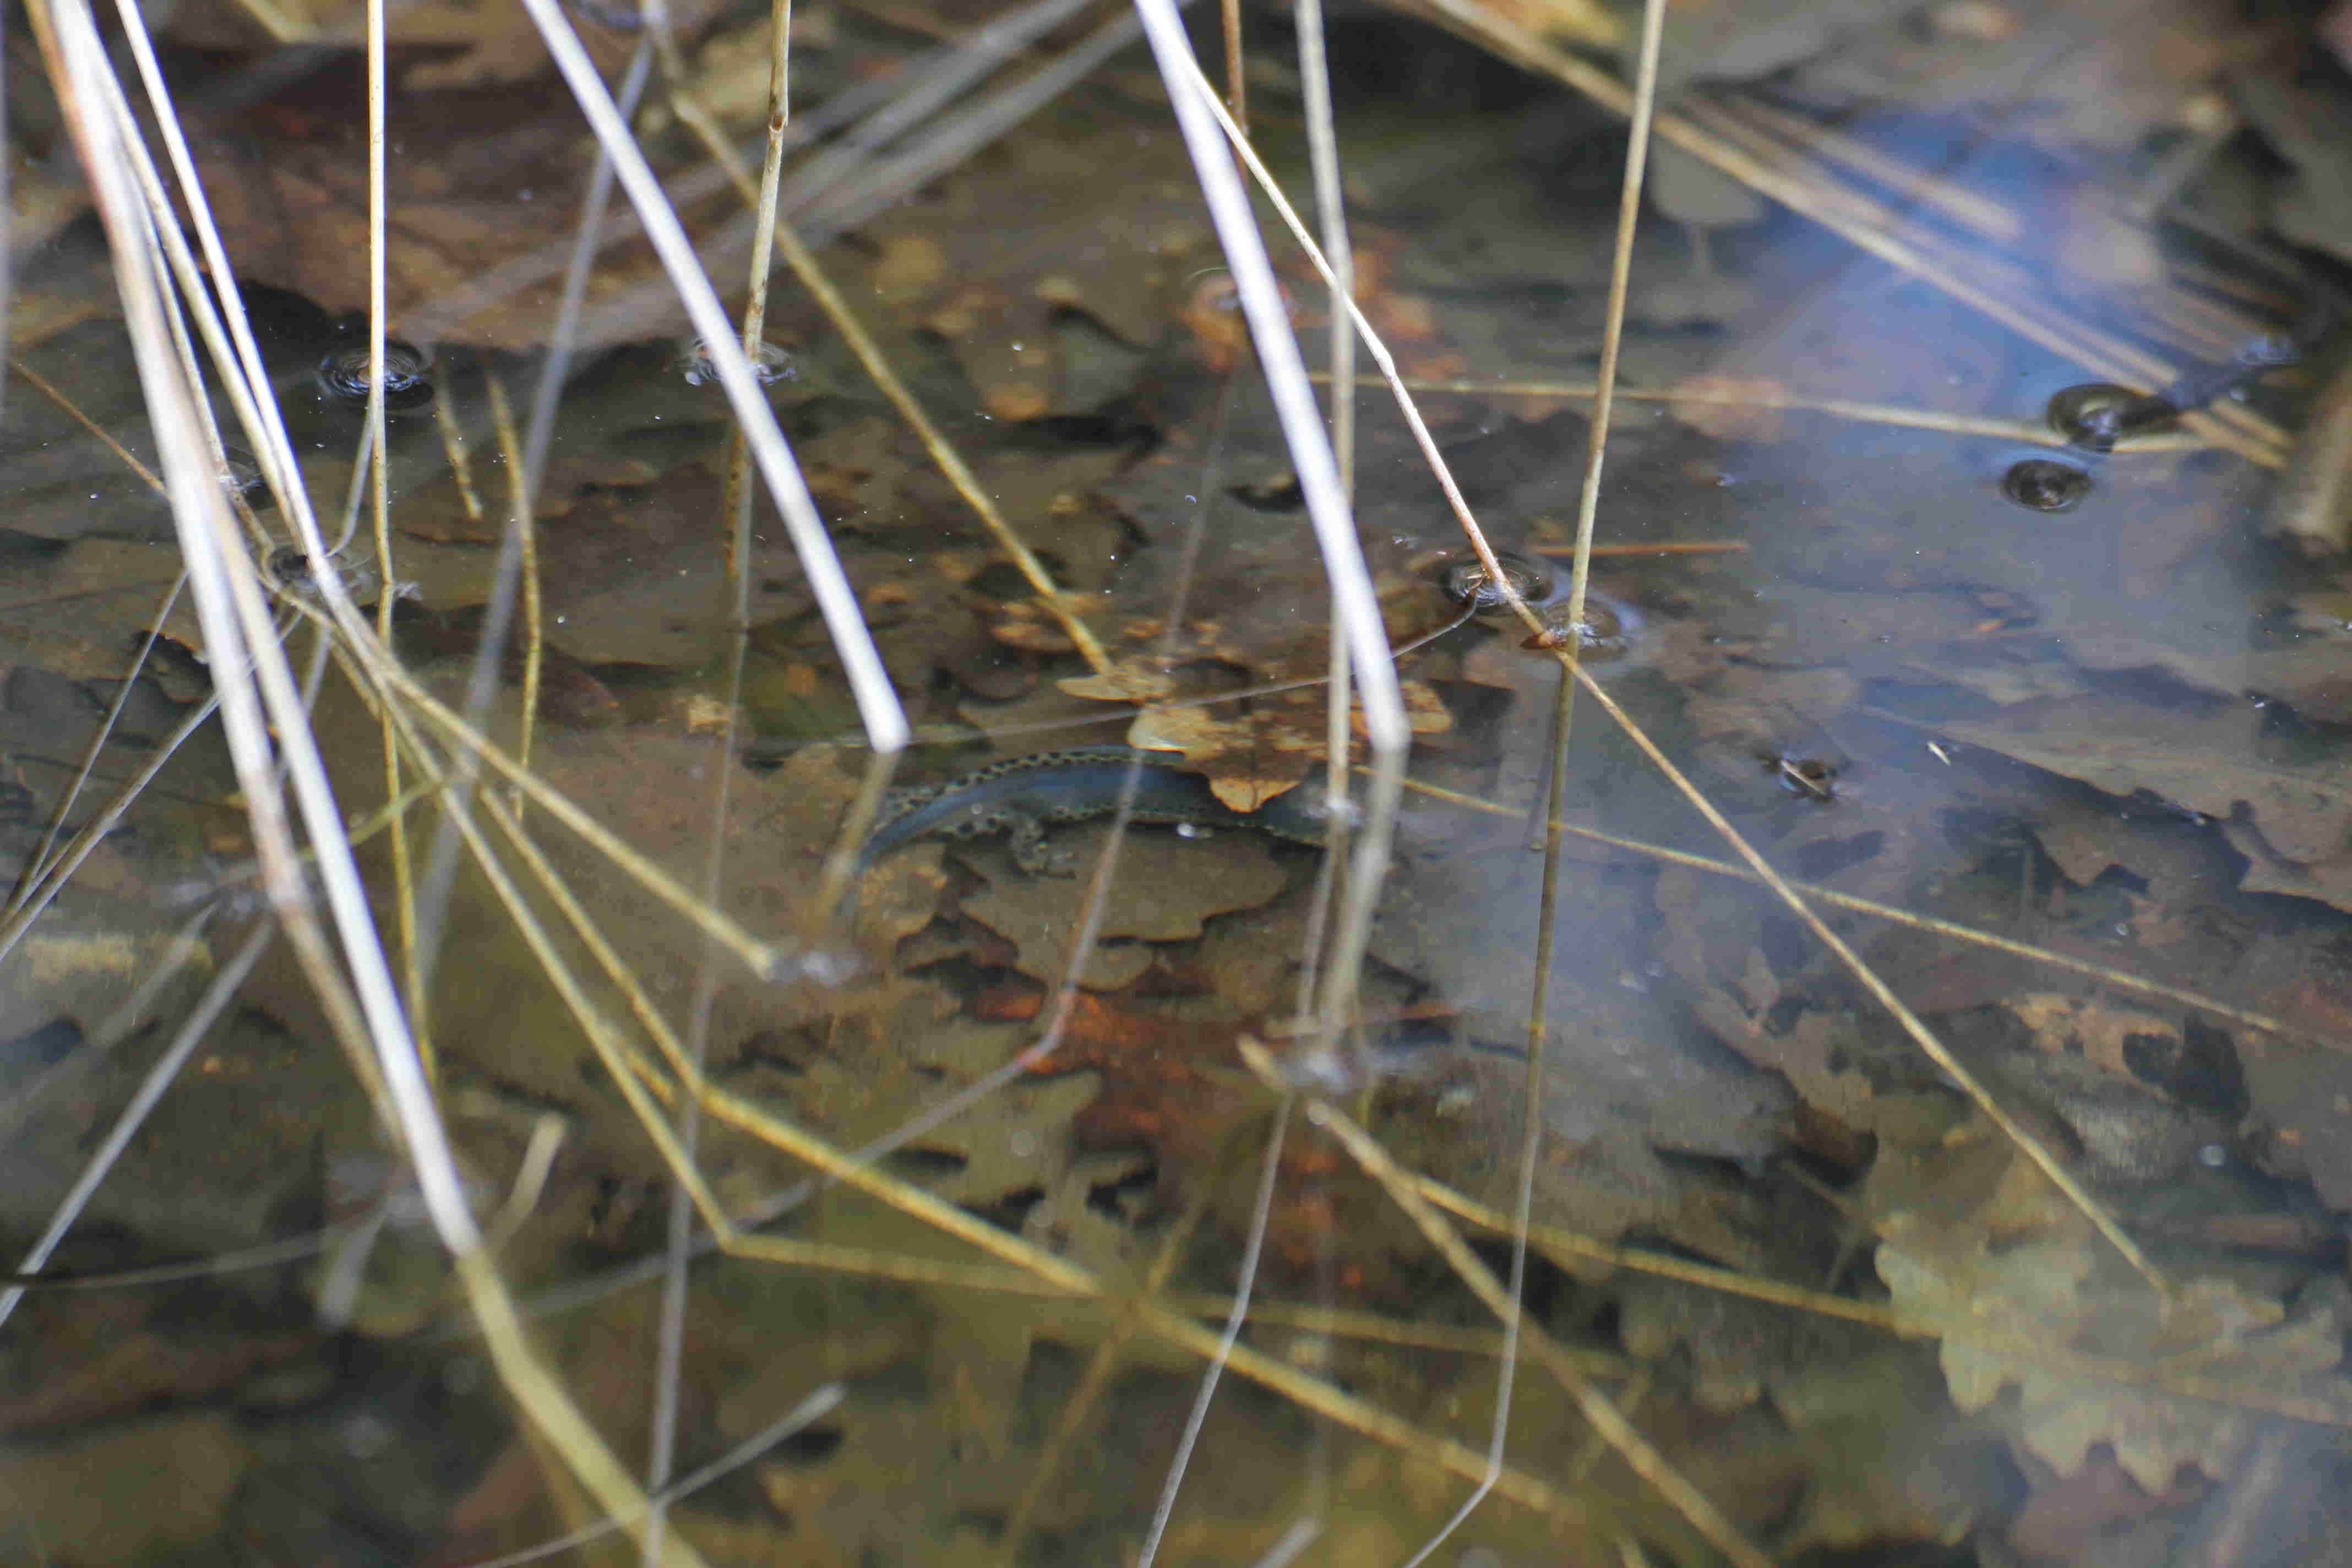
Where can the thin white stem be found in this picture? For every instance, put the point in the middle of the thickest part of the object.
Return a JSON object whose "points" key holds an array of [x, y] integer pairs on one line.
{"points": [[377, 460], [1323, 156], [869, 684], [1286, 376], [355, 491], [1331, 217], [669, 1335], [1198, 116], [213, 1266]]}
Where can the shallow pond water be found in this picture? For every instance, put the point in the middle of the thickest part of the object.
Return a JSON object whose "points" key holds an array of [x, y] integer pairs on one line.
{"points": [[1908, 1094]]}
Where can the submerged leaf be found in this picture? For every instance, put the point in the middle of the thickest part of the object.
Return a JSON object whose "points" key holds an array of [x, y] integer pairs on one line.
{"points": [[2208, 760], [1976, 1239]]}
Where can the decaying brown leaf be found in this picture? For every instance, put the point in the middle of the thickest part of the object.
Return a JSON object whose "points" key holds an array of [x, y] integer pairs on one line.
{"points": [[1252, 753], [2208, 758], [1975, 1237], [2244, 1342], [1161, 895], [1251, 749], [289, 188]]}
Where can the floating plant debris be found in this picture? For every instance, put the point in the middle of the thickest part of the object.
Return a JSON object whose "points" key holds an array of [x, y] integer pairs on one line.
{"points": [[1472, 587], [241, 474], [290, 570], [2097, 413], [1608, 628], [343, 377], [773, 363], [1807, 778], [2039, 484]]}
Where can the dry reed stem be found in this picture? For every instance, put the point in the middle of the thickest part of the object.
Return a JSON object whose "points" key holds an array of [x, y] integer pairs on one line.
{"points": [[1832, 207], [1979, 215], [461, 461], [43, 385], [243, 646], [521, 519], [2029, 432]]}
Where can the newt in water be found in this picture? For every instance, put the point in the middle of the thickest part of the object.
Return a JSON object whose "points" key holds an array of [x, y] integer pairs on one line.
{"points": [[1022, 797]]}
